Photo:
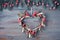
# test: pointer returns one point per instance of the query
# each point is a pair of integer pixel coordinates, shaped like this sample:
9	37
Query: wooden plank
3	38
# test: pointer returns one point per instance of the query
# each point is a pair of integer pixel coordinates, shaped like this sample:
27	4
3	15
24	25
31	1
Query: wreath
29	31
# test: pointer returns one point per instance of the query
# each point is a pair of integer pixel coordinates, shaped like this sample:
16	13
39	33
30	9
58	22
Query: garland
29	31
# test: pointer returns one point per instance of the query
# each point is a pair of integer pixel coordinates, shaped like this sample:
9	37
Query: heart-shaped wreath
29	31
